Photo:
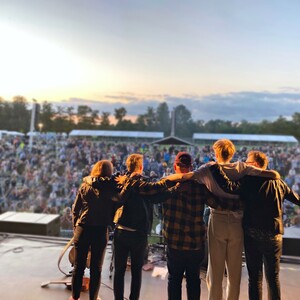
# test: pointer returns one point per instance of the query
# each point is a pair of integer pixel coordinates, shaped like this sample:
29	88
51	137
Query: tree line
15	116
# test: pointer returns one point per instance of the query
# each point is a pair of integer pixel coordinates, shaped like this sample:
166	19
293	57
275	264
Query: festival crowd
45	178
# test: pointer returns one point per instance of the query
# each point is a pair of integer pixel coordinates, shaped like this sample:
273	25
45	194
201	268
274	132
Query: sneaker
71	298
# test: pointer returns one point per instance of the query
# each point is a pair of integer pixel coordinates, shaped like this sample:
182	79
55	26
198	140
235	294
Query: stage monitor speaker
291	241
30	223
291	247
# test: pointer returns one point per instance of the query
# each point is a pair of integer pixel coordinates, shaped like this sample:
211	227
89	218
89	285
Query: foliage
15	116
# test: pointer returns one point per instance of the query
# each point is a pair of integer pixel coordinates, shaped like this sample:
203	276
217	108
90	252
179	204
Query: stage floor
28	261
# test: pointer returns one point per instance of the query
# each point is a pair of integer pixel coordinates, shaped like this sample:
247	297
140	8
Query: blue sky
228	60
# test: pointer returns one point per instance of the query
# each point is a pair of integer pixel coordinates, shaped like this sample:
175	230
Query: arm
147	188
154	192
223	181
253	171
76	208
290	194
163	196
180	176
270	174
231	204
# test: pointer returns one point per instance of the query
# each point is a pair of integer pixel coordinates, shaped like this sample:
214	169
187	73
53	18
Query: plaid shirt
184	228
183	225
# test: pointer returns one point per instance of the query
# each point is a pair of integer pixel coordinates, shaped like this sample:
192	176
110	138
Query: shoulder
259	181
84	188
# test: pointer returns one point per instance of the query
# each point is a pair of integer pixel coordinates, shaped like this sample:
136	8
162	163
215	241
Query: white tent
257	138
117	133
10	133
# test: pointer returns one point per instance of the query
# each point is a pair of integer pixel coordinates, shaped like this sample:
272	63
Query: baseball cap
183	159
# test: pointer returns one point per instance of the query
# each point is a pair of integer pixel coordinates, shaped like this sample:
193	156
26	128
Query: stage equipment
30	223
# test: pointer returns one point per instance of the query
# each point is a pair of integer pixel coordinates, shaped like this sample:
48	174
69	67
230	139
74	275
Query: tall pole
32	124
173	122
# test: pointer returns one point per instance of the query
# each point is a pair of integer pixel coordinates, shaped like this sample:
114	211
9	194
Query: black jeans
94	237
267	252
125	243
180	262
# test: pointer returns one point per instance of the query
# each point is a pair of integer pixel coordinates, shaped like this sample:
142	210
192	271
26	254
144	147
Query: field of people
46	179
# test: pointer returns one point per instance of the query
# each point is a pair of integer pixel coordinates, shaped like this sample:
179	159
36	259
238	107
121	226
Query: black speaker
30	223
291	241
291	246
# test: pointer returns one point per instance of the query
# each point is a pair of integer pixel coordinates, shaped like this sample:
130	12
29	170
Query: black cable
42	239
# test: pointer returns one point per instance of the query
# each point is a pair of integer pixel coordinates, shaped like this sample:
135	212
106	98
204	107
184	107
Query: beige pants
225	247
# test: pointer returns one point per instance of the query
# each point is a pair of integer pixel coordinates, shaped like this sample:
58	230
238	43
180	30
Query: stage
28	261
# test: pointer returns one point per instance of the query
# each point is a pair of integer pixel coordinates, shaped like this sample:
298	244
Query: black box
30	223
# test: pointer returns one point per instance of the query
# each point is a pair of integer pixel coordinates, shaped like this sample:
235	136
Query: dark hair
102	168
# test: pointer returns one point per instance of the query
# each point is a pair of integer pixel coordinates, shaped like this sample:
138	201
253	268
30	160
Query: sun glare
34	66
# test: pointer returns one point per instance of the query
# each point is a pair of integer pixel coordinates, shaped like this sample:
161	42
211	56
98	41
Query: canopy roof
117	133
172	140
246	137
13	133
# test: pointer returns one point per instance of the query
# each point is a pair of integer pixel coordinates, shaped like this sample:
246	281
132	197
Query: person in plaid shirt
183	226
185	232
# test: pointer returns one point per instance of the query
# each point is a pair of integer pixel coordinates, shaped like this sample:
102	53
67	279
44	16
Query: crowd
45	178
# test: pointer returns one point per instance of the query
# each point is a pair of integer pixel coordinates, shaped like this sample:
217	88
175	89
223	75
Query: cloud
246	105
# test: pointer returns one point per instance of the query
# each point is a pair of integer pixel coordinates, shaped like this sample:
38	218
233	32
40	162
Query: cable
36	238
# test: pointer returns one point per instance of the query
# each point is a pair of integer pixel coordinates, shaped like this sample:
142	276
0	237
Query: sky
231	60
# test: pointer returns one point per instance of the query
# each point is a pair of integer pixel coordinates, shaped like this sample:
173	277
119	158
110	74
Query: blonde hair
224	148
134	162
260	158
102	168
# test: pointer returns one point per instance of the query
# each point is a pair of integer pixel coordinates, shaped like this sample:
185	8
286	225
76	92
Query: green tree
183	122
150	119
60	123
104	120
140	123
20	115
87	117
119	114
47	115
71	114
163	118
220	126
5	114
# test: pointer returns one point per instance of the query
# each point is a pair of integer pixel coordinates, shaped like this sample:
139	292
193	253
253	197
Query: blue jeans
267	252
188	262
94	237
125	243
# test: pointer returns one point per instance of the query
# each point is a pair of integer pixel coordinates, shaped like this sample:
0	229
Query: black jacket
137	208
264	203
95	206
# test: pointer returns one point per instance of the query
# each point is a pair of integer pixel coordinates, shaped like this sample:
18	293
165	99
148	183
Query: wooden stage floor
28	261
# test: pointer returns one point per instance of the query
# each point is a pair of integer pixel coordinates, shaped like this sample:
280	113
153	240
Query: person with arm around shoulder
132	225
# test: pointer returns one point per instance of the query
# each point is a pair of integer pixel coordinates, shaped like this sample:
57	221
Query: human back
95	206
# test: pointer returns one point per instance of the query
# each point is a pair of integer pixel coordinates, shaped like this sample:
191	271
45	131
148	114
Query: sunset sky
228	60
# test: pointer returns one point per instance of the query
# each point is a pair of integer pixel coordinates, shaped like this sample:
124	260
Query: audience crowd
44	177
